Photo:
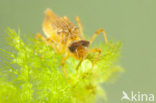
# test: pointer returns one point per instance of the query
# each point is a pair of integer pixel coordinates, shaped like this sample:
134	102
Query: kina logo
137	96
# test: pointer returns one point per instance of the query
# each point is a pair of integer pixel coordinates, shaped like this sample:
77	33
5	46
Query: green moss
34	74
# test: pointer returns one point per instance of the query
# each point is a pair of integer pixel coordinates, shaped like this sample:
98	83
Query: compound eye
85	43
72	48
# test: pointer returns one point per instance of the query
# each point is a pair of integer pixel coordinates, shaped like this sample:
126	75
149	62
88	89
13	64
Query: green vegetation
33	74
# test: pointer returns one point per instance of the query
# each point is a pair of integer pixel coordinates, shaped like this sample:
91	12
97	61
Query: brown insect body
65	38
64	35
